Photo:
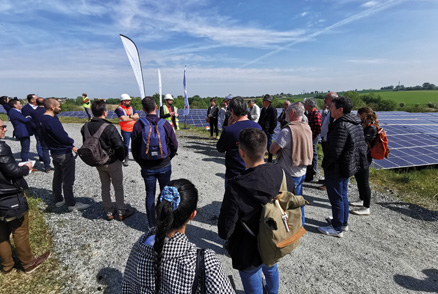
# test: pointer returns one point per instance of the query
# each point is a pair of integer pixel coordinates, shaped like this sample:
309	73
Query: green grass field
408	97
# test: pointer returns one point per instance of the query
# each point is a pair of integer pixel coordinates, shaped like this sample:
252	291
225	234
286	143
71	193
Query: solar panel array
413	137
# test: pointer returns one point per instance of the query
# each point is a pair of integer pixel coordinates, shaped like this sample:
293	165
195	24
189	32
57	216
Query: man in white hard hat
127	118
170	112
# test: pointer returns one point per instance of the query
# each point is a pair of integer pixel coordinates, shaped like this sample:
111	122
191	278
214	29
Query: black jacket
268	119
110	141
213	111
244	198
11	175
345	150
282	119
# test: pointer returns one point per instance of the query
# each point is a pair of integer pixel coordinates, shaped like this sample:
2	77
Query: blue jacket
27	110
20	123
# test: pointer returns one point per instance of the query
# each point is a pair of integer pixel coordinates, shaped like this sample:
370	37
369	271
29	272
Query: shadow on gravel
199	138
317	201
205	239
312	225
411	210
110	279
429	284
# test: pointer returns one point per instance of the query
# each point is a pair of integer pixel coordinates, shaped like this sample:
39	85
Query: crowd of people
163	260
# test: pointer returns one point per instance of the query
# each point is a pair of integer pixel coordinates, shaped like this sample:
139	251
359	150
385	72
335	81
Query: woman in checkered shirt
163	260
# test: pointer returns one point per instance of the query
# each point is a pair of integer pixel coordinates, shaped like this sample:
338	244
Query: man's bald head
49	103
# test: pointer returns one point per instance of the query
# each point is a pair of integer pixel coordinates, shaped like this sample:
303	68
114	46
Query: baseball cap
125	97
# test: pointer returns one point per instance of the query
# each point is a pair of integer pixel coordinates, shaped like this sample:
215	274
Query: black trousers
363	185
213	124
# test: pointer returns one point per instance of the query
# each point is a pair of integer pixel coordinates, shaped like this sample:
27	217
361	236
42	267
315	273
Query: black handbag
13	206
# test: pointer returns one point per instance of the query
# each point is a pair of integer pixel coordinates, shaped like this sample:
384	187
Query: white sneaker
79	206
363	211
330	231
329	221
60	204
357	203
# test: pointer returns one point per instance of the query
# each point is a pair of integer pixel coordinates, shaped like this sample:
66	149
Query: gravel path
395	250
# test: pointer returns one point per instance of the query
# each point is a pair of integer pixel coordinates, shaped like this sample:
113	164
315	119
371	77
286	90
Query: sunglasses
3	127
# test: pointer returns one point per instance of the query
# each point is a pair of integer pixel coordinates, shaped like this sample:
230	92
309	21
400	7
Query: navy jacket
228	143
27	110
20	123
55	136
36	117
137	140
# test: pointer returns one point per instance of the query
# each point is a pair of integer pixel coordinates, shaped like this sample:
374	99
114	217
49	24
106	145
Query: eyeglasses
3	127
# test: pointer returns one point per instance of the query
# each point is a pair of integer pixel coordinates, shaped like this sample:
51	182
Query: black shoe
128	212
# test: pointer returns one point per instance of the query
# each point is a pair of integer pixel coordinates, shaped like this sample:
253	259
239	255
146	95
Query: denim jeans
25	147
337	191
298	181
253	282
126	139
150	177
43	151
268	146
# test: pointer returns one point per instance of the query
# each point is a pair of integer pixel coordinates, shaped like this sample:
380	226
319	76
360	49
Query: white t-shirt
284	157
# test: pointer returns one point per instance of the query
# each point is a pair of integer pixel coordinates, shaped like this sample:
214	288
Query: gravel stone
394	250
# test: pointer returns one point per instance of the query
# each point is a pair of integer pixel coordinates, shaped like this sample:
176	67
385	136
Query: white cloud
304	13
367	61
369	4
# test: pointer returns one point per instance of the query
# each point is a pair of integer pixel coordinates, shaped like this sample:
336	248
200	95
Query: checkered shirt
178	266
315	122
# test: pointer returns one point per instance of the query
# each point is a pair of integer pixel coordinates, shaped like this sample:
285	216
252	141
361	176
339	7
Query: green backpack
280	226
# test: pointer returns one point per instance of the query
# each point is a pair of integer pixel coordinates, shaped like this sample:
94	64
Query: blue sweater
228	143
54	135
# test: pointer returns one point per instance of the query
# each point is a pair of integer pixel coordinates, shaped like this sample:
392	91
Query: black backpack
91	152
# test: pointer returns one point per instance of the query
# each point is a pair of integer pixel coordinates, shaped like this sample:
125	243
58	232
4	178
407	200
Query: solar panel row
413	137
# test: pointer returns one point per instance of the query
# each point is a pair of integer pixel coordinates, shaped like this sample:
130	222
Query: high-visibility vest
169	119
126	126
86	104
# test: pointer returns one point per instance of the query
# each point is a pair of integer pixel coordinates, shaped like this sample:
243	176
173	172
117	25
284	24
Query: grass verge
47	278
412	186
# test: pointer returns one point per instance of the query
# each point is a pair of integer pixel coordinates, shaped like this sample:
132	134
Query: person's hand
75	149
176	114
29	165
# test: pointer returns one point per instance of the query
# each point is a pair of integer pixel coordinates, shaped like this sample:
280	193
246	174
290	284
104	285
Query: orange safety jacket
126	126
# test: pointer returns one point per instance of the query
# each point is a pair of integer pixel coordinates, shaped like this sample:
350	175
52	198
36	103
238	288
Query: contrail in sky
363	14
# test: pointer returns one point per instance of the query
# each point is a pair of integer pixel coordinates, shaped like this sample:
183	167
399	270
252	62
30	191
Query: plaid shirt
178	266
315	122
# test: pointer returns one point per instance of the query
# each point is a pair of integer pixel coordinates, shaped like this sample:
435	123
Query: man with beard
61	147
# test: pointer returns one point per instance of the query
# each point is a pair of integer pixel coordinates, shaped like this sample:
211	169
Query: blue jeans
43	151
25	147
268	146
253	283
126	139
298	181
150	177
337	190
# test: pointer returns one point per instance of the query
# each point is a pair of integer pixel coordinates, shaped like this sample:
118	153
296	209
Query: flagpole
160	91
186	99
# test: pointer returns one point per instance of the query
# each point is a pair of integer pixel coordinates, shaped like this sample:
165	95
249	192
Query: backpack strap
100	130
283	186
199	272
146	123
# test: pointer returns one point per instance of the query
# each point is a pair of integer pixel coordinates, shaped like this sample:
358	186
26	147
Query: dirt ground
394	250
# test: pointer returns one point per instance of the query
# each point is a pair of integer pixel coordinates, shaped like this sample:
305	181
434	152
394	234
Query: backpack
275	240
154	140
91	152
380	149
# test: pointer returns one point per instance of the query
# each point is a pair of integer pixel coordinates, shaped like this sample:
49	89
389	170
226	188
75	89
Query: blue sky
63	48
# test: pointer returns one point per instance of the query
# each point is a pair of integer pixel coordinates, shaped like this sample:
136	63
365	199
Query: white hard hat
168	96
125	97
